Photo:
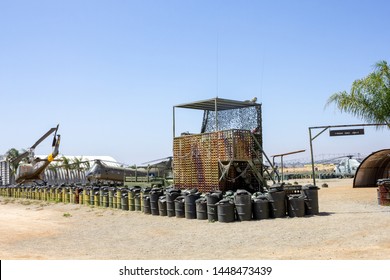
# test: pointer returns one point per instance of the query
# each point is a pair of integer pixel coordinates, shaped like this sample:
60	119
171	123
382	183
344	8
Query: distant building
6	177
61	175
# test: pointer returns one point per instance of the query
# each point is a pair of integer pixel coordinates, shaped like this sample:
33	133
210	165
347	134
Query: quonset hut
373	168
227	154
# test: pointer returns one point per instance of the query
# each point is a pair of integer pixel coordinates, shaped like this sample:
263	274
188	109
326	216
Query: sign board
346	132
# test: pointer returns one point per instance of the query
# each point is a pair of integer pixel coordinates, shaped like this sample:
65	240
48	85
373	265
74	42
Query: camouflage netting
218	158
248	118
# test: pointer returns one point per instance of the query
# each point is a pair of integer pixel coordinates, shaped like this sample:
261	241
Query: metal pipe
312	158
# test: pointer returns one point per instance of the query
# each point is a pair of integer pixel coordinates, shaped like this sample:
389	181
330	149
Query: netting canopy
247	118
225	114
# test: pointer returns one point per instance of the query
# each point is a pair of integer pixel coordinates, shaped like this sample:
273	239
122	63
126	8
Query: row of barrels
230	206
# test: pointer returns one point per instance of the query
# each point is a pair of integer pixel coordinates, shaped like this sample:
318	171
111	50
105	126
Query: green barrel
243	203
125	202
162	205
96	199
296	205
212	209
154	195
72	195
91	198
111	197
190	205
137	202
201	208
171	195
277	198
87	197
105	200
225	211
179	207
132	193
260	206
101	192
311	201
145	192
118	198
146	199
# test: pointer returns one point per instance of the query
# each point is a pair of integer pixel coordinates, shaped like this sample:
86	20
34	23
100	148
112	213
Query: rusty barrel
383	192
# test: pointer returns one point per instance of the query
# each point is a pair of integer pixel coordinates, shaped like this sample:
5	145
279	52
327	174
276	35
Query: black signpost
346	132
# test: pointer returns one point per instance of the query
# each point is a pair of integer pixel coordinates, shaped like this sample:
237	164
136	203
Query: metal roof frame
217	104
213	104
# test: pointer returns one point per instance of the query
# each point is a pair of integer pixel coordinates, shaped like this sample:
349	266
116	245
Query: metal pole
216	115
312	158
281	162
174	122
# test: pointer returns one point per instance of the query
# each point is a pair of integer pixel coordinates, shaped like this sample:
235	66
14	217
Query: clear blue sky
110	71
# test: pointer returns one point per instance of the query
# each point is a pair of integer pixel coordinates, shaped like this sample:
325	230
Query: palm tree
369	98
53	169
79	167
67	166
12	154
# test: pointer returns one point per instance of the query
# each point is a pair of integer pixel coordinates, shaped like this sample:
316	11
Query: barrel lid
201	200
225	201
276	187
179	198
259	195
242	192
310	187
383	181
296	196
173	190
217	194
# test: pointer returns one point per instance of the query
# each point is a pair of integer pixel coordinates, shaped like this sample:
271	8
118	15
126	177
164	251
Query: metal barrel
278	203
179	207
111	197
225	211
104	200
162	205
125	202
146	203
171	195
190	205
145	192
311	200
118	196
132	193
130	201
137	202
260	208
212	209
91	198
101	193
201	208
296	205
243	203
383	192
155	193
96	199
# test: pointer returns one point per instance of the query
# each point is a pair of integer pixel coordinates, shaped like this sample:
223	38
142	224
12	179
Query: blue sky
110	71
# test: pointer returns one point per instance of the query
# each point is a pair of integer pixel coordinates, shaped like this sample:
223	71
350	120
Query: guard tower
227	154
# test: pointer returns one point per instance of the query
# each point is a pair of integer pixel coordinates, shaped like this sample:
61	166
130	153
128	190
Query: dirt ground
351	225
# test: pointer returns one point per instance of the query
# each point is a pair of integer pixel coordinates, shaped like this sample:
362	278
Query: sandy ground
351	225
